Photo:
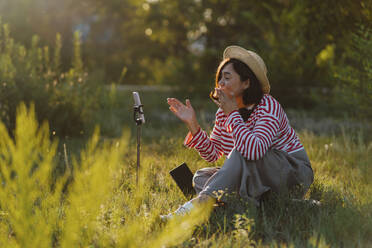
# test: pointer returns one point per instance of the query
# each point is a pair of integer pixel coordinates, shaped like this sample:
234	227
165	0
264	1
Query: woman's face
230	82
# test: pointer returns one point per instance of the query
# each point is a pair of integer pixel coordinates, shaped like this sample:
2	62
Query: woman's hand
185	113
225	102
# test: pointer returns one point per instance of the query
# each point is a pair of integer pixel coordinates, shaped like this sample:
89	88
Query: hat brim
253	61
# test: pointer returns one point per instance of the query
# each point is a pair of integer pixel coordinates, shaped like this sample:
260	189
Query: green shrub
32	75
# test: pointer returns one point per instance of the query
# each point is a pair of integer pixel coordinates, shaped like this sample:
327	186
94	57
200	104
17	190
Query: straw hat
253	61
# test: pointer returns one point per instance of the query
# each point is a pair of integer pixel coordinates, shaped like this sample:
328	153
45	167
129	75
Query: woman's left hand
226	103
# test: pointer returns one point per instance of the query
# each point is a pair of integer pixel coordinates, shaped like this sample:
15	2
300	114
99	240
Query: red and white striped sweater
266	128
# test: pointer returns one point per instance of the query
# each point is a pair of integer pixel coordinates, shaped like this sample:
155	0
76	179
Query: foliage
65	99
96	202
28	202
181	42
353	92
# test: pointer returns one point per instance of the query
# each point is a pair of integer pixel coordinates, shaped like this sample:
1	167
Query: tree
353	91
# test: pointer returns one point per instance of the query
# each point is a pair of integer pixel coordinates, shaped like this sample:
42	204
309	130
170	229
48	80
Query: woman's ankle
202	198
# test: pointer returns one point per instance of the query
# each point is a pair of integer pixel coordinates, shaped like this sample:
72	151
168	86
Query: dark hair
254	93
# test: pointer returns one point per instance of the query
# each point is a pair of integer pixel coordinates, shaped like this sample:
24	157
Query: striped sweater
266	128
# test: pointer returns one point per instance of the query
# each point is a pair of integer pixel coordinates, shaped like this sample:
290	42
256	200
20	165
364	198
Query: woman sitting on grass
251	129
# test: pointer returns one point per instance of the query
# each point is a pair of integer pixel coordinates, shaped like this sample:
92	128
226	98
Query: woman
251	129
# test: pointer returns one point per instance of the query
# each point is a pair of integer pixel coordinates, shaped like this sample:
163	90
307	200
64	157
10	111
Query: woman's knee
205	172
201	176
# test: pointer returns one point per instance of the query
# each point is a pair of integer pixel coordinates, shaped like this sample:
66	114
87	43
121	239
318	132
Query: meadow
82	192
68	139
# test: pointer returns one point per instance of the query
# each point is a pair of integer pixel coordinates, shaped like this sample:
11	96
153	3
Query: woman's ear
246	84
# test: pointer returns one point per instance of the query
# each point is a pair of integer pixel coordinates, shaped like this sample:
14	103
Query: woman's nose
221	83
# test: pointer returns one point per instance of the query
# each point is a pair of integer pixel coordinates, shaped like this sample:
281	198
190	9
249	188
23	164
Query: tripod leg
138	151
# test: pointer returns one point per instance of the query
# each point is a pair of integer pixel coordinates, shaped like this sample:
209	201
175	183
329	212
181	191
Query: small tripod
137	113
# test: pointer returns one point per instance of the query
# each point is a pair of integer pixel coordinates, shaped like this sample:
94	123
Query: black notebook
182	175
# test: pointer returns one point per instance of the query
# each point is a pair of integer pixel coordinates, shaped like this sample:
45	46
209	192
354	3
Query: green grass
93	200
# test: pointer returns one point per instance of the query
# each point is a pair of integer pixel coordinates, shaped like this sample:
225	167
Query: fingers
216	102
171	101
183	112
176	107
188	103
173	110
174	102
221	96
221	93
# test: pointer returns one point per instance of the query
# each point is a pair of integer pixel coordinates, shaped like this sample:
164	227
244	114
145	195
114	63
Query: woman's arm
208	148
252	144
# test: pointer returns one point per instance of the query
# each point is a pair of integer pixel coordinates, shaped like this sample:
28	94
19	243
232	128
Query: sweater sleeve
209	148
252	144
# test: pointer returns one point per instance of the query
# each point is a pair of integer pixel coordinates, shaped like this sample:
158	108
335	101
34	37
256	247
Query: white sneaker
311	202
182	210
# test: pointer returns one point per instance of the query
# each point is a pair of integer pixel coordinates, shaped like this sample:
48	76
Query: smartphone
137	103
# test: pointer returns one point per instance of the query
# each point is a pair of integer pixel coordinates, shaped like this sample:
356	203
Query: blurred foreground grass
89	198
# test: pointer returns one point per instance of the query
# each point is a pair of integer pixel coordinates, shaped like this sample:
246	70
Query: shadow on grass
280	219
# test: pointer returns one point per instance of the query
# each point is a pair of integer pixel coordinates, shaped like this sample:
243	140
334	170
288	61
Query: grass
95	202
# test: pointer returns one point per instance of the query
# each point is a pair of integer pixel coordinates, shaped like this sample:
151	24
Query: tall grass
94	200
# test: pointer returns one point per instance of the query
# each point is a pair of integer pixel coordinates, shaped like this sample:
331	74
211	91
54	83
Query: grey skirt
250	179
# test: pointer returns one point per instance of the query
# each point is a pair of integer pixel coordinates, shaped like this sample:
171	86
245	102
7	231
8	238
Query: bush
65	99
